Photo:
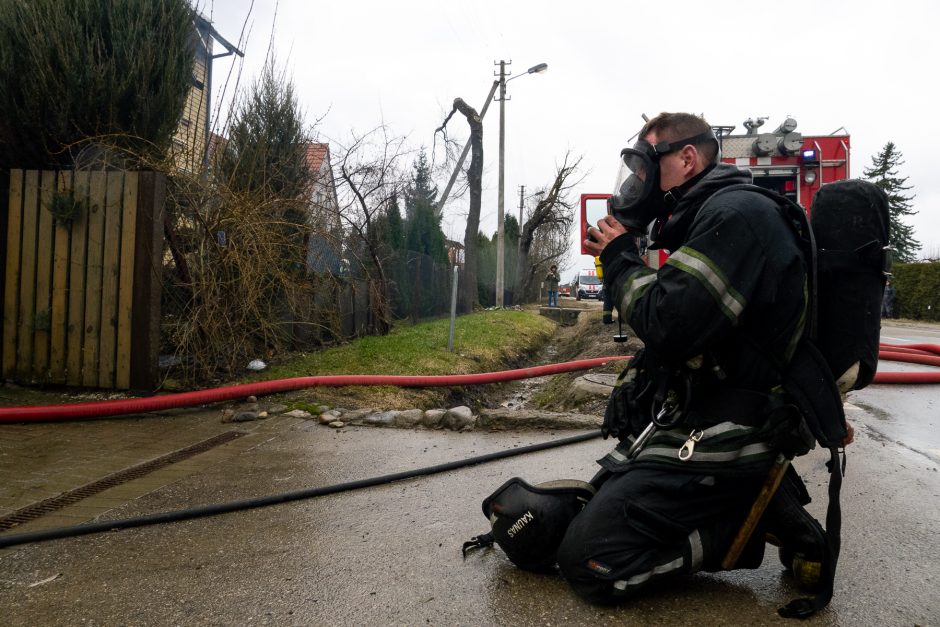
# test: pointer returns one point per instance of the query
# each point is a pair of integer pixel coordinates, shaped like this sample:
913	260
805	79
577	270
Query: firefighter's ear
689	157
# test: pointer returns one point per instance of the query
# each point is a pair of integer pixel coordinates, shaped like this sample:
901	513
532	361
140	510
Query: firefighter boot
800	538
718	540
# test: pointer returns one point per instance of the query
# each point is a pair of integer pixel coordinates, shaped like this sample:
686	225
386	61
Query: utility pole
521	204
500	214
521	201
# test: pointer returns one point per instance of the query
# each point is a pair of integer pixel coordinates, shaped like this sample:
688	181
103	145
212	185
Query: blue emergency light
809	154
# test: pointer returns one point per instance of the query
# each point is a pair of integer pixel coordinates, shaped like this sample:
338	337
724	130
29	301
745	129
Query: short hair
678	126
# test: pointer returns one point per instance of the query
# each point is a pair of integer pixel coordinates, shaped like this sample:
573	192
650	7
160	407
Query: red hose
907	377
933	349
101	409
928	354
904	349
911	358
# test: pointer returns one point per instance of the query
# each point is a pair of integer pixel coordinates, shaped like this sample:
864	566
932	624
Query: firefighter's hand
850	434
607	230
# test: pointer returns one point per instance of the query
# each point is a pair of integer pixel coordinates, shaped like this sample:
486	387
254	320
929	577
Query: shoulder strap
795	218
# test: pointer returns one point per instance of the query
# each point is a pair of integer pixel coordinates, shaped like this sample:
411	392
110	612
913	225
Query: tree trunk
524	277
469	296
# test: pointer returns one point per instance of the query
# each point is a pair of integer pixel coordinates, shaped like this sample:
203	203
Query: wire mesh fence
319	306
419	286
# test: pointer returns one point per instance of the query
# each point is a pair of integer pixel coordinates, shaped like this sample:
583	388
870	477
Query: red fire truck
783	160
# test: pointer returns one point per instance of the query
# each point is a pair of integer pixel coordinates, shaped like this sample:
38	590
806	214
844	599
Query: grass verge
483	342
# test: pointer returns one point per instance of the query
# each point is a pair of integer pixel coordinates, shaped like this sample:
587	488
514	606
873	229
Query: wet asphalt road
390	555
909	415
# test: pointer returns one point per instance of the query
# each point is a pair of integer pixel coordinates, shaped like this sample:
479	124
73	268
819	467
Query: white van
587	285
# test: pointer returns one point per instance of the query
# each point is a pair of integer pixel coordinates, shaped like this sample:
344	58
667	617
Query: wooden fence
81	288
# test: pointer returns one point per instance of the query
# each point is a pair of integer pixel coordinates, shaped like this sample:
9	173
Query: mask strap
664	147
672	197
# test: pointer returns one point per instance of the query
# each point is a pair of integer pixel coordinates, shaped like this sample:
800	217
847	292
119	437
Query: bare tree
369	178
544	237
468	287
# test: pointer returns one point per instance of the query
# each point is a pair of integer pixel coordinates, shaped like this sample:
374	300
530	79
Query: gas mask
640	200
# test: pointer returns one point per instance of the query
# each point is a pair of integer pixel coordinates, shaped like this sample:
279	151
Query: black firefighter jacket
732	290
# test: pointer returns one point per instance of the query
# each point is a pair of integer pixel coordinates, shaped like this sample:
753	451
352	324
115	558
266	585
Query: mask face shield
643	163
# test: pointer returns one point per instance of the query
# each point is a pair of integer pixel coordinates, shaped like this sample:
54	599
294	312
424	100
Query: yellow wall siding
189	141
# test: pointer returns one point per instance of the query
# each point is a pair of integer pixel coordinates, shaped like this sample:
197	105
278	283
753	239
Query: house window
185	122
198	84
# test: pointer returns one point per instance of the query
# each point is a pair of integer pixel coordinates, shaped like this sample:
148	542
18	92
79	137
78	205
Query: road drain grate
37	510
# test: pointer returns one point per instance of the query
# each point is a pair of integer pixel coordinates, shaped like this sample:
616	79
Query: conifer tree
394	235
486	269
884	173
265	149
423	232
70	72
420	189
424	235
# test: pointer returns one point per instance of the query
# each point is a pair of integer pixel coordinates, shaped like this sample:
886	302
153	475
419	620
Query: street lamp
500	253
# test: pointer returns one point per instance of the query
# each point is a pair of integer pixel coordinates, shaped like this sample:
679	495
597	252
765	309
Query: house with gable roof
324	243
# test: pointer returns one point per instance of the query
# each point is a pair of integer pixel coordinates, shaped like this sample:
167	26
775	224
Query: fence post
453	313
148	277
11	186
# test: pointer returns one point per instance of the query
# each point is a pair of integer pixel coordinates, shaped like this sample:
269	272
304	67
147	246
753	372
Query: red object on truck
782	160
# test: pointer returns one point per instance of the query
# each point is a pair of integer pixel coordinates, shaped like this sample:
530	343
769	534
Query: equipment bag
529	522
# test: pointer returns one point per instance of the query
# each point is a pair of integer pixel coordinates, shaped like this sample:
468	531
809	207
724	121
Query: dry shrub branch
237	285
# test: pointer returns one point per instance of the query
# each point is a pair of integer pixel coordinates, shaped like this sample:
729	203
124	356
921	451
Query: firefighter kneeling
725	309
729	383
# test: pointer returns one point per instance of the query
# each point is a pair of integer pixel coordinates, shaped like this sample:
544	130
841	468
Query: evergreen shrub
918	290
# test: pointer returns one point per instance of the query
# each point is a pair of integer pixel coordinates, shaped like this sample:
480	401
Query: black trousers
648	525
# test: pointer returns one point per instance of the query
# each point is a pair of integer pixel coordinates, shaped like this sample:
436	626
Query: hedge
918	290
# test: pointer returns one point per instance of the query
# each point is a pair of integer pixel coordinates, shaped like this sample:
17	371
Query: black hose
274	499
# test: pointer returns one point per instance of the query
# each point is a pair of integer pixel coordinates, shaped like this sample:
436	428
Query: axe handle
767	491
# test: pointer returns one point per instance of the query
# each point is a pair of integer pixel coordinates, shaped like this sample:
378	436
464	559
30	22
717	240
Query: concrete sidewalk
44	460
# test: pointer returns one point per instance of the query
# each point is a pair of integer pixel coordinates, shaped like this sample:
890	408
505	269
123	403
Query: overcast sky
870	67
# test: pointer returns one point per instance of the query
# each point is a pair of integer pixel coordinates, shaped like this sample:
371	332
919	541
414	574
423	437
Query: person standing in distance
551	284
